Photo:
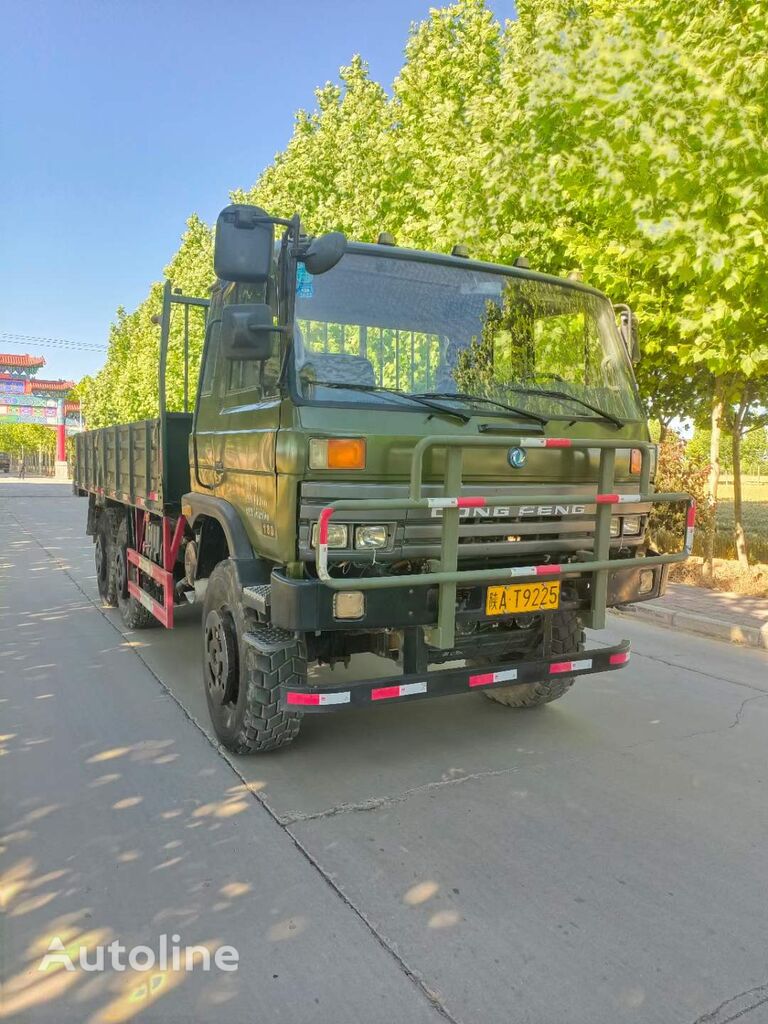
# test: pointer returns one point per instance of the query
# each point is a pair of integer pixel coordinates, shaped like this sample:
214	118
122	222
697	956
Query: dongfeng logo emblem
516	458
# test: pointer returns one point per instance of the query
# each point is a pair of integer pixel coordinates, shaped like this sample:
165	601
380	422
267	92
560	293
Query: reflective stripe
619	659
535	570
455	502
569	666
617	499
316	699
403	690
545	442
487	678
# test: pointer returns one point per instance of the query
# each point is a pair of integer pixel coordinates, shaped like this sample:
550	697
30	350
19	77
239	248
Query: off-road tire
104	557
567	638
242	685
134	614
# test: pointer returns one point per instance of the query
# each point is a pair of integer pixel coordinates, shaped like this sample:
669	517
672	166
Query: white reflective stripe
408	688
626	499
322	561
336	698
689	538
508	673
523	570
586	663
442	502
532	442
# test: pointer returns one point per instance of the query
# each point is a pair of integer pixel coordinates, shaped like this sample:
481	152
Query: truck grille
526	529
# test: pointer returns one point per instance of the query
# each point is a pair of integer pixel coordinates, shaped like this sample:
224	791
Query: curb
691	622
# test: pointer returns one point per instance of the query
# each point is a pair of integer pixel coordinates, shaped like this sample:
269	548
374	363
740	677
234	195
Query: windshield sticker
305	283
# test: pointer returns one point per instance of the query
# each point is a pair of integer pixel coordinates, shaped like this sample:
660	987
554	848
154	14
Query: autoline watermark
169	956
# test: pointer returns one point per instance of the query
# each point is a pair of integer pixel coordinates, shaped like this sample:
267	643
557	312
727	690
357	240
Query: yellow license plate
522	597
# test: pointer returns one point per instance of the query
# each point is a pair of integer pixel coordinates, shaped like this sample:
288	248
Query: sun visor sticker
305	283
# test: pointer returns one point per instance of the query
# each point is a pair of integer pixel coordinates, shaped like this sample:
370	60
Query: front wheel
567	638
242	685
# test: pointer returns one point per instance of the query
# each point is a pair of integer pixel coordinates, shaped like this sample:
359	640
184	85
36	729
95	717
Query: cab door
249	418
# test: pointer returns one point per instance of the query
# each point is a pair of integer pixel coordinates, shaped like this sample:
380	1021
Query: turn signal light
337	453
635	461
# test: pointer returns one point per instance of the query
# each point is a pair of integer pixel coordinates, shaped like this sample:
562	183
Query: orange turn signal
635	461
337	453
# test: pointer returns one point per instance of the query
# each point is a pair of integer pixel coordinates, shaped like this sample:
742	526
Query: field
755	515
727	572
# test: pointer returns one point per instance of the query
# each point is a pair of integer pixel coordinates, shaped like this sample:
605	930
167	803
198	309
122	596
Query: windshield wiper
442	410
467	397
566	397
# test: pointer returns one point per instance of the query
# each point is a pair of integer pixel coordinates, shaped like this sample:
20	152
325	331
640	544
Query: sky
119	118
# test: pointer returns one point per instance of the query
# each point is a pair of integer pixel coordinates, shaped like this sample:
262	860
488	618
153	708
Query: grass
755	516
728	574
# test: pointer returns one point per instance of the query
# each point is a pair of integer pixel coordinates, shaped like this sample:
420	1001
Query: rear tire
567	638
242	686
135	615
104	557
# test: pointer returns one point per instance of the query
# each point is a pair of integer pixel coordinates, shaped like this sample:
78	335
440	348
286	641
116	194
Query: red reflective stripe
546	570
482	680
691	515
607	499
471	503
302	698
560	666
322	525
558	442
619	659
382	692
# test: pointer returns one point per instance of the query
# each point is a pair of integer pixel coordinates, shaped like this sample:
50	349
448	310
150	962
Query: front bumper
447	682
307	605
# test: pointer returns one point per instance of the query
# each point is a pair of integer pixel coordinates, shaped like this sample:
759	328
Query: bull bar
447	575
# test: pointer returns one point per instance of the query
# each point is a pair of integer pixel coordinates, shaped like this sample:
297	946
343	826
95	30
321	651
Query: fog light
370	537
615	526
633	526
337	535
645	585
348	604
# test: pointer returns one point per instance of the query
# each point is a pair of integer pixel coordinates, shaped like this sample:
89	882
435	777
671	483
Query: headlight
615	526
337	535
633	526
369	537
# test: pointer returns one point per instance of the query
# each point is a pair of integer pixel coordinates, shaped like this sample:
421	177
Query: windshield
461	335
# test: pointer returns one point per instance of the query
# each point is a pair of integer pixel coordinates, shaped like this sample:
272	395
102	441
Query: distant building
26	398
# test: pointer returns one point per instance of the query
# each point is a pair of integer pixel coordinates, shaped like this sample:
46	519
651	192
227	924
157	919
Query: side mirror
629	333
244	244
248	332
325	252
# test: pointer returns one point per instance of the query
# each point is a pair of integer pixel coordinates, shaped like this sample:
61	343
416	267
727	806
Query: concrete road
599	860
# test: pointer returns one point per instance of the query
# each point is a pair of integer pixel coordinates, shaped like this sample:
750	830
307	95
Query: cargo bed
145	464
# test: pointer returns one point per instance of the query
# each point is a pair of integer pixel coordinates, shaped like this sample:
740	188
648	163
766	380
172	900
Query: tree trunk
738	514
714	477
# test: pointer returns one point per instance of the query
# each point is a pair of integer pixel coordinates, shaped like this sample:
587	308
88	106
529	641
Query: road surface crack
756	996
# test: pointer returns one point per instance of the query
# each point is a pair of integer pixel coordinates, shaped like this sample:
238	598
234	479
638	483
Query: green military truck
421	456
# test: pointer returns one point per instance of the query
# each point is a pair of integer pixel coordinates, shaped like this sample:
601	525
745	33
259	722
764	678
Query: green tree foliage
16	438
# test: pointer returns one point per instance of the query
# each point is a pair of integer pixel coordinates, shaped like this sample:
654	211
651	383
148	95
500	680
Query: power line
25	340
